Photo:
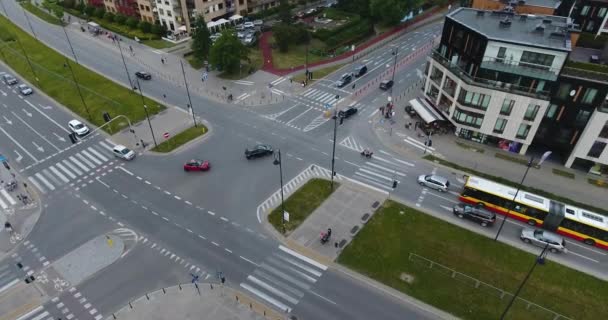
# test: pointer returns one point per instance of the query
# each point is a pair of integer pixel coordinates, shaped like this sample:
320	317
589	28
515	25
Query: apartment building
493	72
213	10
543	7
588	15
147	10
128	8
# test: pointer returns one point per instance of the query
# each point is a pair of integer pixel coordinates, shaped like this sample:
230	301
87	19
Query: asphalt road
206	222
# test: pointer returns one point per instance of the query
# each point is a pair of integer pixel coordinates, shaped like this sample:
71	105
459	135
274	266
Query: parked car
197	165
344	80
259	150
542	238
258	23
238	27
25	90
386	84
434	181
249	39
360	70
475	213
123	152
78	127
143	75
248	25
9	80
347	112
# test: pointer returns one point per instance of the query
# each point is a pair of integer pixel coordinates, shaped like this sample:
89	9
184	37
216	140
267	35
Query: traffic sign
327	106
166	135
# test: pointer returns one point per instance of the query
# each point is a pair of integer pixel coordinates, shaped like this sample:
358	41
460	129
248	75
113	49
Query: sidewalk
195	301
481	157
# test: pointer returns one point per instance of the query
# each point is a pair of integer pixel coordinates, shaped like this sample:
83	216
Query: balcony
520	68
487	83
587	71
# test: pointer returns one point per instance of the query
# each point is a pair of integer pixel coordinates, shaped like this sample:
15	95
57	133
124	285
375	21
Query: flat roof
542	3
521	30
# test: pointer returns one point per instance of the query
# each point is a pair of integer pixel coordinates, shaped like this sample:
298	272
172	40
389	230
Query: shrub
158	29
108	16
145	26
350	32
80	7
68	3
131	23
120	19
99	12
89	10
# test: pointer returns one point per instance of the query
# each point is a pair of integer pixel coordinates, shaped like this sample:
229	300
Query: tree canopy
201	41
227	52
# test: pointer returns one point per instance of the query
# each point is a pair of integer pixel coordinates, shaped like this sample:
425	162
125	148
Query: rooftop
533	30
539	3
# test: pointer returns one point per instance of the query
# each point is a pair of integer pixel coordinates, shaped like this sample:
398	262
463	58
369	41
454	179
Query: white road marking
46	182
304	258
126	171
262	295
18	144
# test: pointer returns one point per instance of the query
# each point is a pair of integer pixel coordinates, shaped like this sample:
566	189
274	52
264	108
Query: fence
478	284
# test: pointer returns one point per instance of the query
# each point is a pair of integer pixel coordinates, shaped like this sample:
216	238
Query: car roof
386	81
119	147
551	236
74	122
438	178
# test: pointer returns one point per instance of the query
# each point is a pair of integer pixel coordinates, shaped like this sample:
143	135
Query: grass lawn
318	74
296	56
382	248
27	5
301	204
158	43
195	62
55	79
181	138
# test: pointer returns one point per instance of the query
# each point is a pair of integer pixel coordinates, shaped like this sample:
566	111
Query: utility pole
333	154
277	161
188	92
143	102
395	53
124	64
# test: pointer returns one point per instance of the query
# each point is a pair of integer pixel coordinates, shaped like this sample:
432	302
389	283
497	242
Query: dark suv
344	80
475	213
259	150
347	112
143	75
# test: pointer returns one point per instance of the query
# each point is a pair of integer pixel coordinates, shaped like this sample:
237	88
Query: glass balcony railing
487	83
520	68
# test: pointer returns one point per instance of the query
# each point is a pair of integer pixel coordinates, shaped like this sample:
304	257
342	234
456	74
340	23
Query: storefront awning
235	17
427	113
182	28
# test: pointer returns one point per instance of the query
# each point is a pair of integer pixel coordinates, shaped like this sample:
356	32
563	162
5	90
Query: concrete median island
465	273
181	138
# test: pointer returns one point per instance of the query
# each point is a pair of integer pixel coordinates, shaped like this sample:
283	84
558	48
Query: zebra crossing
381	172
6	199
321	96
72	167
283	278
350	143
38	313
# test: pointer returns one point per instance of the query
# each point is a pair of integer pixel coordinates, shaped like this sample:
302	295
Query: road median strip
181	139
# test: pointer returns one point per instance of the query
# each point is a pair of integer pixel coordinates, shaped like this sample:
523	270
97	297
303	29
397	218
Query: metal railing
585	74
520	67
487	83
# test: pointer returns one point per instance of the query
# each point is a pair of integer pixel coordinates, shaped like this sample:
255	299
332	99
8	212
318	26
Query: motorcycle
325	236
366	153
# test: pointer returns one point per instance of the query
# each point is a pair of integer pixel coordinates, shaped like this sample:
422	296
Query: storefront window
597	149
468	118
523	131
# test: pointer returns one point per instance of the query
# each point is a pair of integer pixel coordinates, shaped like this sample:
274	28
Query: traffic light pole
333	154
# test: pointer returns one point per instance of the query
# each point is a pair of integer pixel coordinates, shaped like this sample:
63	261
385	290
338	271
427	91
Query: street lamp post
277	161
540	259
333	154
188	92
122	56
521	183
395	53
143	102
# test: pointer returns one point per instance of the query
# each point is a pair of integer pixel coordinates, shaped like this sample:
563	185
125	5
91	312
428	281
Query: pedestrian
162	60
290	80
382	110
164	96
131	48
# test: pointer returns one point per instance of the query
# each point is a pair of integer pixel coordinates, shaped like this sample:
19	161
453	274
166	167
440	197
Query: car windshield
79	126
538	234
124	151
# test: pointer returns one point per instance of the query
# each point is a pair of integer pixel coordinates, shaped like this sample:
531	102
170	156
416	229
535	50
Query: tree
120	19
285	35
201	41
108	16
390	12
58	11
99	12
227	52
285	12
131	23
145	26
69	3
360	7
158	29
89	10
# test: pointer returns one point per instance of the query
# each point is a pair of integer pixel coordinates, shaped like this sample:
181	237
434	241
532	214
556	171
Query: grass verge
54	78
181	138
33	9
318	74
563	173
255	62
598	182
511	158
515	184
158	43
381	251
296	55
469	147
301	204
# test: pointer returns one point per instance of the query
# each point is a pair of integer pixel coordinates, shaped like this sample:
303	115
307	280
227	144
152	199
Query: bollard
130	305
180	286
164	292
237	298
147	297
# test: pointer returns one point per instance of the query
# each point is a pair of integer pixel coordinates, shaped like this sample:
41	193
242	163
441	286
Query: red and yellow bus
580	224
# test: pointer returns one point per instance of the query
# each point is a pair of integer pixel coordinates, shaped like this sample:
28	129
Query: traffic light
73	137
394	184
106	117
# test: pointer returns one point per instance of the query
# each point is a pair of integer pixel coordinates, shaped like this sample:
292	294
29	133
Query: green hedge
588	40
587	66
117	27
350	32
513	184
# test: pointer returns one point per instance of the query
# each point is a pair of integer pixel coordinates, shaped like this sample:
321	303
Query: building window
602	12
523	131
531	112
241	2
507	106
161	11
499	127
585	10
432	92
167	3
564	90
141	6
469	118
220	6
596	149
169	13
551	111
581	117
589	95
436	75
148	8
536	60
604	132
589	26
474	99
449	86
502	52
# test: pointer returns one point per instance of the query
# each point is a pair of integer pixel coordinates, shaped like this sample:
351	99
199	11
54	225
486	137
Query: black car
347	113
143	75
475	213
258	151
386	84
9	80
344	80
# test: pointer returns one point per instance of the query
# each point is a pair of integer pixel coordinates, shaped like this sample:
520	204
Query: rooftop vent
540	27
508	9
505	22
547	20
480	13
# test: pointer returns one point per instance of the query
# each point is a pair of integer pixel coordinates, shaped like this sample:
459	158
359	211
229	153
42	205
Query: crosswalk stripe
272	289
86	153
264	296
373	173
307	92
8	197
64	169
69	165
105	145
40	316
301	266
284	276
283	285
32	180
99	155
386	161
374	182
27	315
385	169
3	204
51	177
303	258
59	174
46	182
286	267
85	160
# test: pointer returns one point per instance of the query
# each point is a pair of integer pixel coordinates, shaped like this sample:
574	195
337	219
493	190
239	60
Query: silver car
542	238
434	182
123	152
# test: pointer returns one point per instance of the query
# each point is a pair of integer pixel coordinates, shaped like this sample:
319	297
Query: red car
197	165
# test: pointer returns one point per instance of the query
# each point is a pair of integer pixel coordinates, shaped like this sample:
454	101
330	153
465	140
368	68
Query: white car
258	22
25	90
249	39
248	25
123	152
78	127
